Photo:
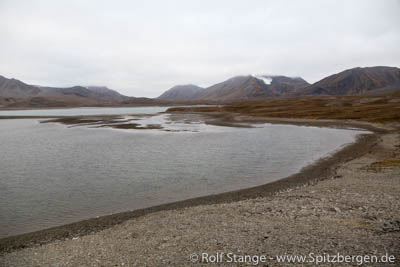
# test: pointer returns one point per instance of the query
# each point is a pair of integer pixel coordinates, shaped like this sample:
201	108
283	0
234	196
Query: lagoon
51	174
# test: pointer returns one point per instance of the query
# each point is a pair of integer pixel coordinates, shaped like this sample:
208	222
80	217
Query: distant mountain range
252	87
14	93
237	88
356	81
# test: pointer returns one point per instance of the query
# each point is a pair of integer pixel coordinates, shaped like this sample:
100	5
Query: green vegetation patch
384	163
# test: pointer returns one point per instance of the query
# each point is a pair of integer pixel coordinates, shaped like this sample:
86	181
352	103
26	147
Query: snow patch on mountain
265	79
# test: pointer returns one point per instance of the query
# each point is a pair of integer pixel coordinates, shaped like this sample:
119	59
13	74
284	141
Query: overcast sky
142	48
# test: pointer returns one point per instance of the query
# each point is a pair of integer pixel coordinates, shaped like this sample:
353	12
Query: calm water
82	111
52	175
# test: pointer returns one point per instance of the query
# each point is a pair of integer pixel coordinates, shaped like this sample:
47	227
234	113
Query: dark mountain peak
357	81
106	93
236	88
16	89
186	86
181	93
280	84
100	93
236	80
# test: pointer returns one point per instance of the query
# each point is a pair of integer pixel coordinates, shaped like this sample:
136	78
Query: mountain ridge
15	93
356	81
181	93
246	87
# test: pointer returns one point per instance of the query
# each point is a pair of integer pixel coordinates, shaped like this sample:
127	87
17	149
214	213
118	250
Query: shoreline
319	170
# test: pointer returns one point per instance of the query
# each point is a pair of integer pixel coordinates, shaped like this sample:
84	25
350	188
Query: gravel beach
353	210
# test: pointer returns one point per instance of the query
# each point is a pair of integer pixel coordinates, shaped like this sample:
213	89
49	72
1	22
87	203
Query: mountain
14	93
237	88
357	81
248	88
282	85
107	93
181	93
100	93
12	88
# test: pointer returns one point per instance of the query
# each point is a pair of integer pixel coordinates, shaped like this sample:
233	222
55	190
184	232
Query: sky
142	48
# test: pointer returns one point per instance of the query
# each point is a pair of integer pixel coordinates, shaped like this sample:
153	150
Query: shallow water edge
322	169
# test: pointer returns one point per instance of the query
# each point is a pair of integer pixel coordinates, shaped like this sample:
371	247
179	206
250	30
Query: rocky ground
355	212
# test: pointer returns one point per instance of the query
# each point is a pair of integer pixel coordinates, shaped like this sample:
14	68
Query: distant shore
320	170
